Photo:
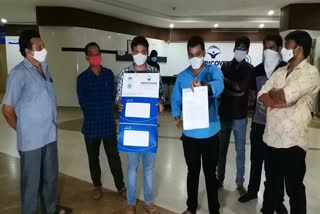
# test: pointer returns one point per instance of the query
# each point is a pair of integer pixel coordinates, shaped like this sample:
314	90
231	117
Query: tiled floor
170	168
74	193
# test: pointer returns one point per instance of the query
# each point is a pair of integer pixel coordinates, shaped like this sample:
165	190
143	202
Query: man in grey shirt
29	107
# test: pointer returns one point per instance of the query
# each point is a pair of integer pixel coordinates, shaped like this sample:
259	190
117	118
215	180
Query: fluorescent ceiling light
271	12
4	20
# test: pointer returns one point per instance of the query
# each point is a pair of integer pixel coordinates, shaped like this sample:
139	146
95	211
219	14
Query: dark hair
139	40
243	40
303	39
91	44
276	38
25	40
153	53
194	41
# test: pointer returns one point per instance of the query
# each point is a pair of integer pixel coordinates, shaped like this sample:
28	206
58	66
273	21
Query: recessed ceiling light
216	25
271	12
4	20
171	25
261	26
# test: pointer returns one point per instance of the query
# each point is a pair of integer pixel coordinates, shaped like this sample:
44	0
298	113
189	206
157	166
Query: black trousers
288	164
206	150
110	147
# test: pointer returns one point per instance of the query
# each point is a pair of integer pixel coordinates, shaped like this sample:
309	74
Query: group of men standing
283	87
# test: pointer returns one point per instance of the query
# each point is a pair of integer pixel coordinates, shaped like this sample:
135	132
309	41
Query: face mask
271	60
140	59
240	55
286	54
196	62
154	59
40	56
95	61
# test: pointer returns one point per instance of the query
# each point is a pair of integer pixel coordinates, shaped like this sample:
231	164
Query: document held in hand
195	108
138	129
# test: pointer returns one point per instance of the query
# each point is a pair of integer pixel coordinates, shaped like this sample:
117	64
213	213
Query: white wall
65	66
12	50
178	56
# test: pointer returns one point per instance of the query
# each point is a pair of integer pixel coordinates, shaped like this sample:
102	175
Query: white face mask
140	59
271	60
240	55
40	56
196	62
286	54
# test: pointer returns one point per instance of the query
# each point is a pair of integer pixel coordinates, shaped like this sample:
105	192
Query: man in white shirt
288	96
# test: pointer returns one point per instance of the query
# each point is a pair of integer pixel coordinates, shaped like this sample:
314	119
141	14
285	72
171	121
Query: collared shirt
236	107
210	75
287	127
96	97
259	116
130	69
34	100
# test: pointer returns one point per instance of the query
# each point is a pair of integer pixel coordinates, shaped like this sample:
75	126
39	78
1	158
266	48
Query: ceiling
162	13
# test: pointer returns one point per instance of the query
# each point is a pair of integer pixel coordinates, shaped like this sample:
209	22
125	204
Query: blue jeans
132	176
239	128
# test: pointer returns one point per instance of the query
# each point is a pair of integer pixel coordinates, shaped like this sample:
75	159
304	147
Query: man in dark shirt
234	108
272	46
95	87
152	61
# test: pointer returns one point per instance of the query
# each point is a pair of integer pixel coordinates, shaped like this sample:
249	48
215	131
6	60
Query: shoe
187	212
247	197
123	193
150	209
241	190
282	210
97	193
130	209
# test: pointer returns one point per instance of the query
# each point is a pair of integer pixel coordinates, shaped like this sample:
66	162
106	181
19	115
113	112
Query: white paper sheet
136	138
138	110
195	108
141	85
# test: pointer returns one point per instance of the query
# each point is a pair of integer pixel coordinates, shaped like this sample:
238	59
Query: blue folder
149	125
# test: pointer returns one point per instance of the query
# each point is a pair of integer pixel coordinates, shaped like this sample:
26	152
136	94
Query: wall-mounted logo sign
217	56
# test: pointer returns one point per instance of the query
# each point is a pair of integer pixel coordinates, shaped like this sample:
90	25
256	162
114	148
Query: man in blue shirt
95	87
29	107
200	143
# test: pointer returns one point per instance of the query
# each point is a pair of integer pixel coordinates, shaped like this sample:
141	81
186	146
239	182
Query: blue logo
213	51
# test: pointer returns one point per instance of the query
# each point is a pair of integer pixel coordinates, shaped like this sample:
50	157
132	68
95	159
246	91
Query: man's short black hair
303	39
243	40
153	53
25	40
194	41
276	38
91	44
140	40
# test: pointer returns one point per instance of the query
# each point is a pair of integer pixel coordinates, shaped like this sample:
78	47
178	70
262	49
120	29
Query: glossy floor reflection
170	169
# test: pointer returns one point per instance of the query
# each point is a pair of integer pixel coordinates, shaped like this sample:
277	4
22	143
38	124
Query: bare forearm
278	96
12	121
10	116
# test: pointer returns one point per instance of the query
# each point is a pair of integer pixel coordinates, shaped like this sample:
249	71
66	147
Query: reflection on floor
73	193
169	175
